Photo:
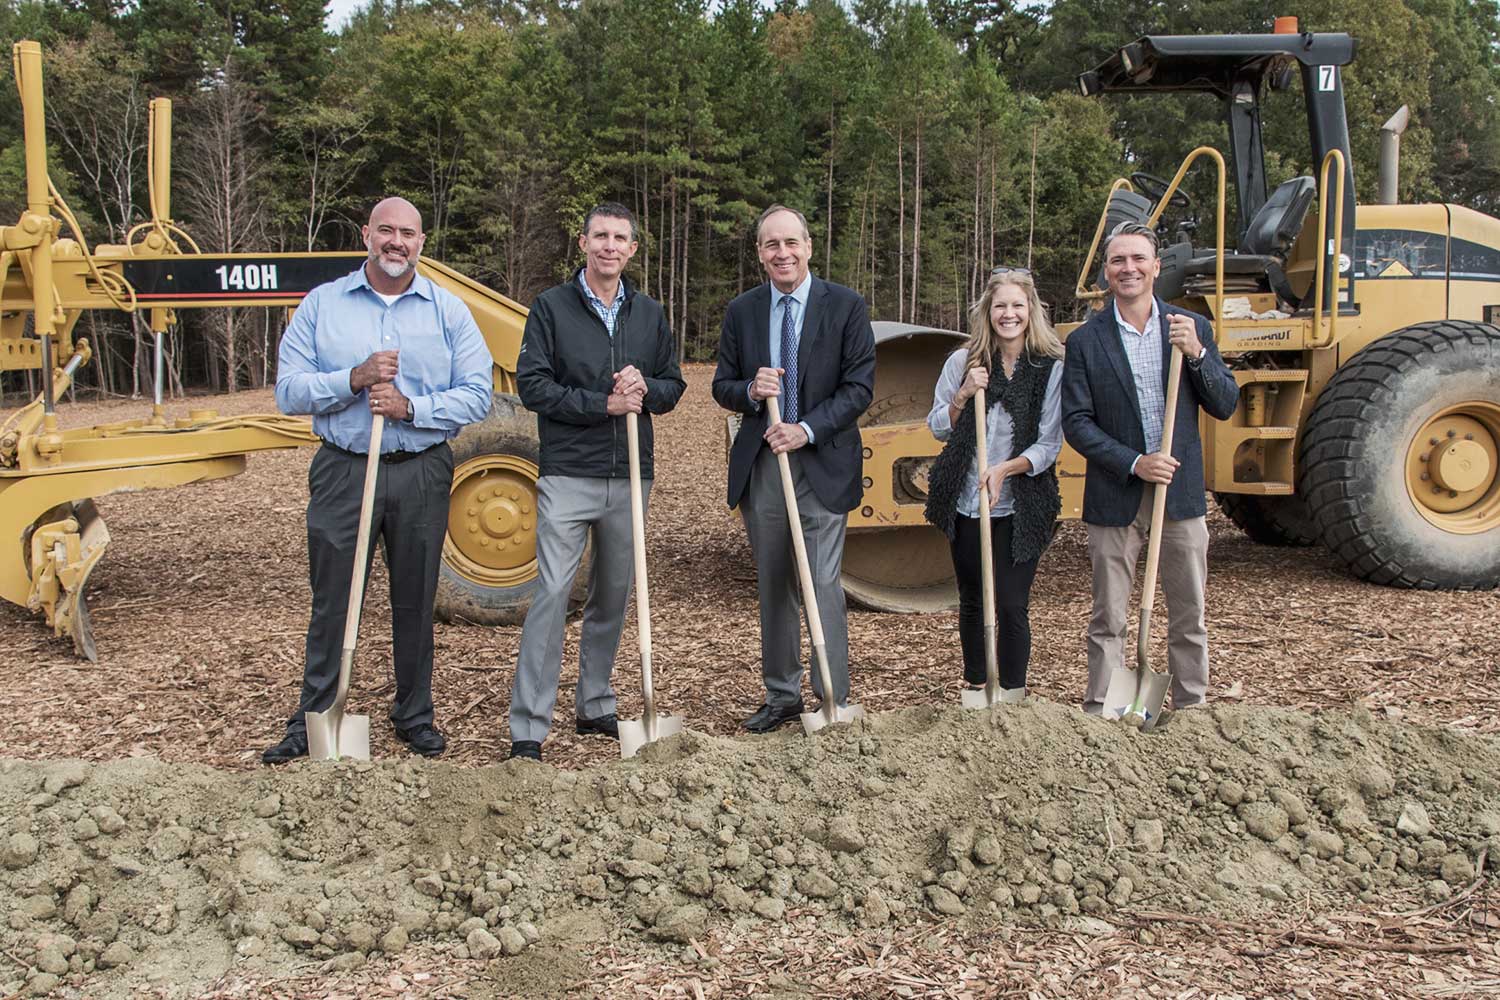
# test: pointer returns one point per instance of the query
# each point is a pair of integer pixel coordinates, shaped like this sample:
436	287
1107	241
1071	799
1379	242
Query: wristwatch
411	411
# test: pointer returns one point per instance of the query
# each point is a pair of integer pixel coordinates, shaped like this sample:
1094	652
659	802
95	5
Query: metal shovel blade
1153	692
335	733
976	700
813	721
633	733
1119	697
331	736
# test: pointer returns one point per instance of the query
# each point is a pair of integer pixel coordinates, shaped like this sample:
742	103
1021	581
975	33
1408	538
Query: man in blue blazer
808	342
1113	408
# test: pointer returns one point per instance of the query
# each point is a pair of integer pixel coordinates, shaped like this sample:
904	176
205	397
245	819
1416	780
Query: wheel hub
492	520
1451	467
1459	466
501	516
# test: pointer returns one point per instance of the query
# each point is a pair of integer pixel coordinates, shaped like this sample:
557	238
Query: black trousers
1012	601
409	520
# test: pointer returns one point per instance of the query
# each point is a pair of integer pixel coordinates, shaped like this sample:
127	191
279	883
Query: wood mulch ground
200	605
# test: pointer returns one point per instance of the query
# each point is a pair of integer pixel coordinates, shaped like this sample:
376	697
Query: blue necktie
789	411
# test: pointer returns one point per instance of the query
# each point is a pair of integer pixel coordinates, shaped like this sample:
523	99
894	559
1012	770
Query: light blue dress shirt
798	298
445	367
999	431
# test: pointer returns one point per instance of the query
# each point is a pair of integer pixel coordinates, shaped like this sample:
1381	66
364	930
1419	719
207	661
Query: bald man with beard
382	340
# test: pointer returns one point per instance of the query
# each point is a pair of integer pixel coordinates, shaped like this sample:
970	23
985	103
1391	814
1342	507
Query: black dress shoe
605	725
770	717
529	749
423	739
292	746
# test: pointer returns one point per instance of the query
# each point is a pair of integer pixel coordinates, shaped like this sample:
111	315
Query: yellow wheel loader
51	536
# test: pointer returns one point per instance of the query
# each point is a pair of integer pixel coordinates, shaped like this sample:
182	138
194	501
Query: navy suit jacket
835	382
1101	417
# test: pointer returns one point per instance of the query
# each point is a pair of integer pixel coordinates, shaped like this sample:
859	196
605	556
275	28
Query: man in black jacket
809	342
594	349
1113	411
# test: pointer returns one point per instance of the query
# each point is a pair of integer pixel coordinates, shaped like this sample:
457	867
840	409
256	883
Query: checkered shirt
1143	350
606	313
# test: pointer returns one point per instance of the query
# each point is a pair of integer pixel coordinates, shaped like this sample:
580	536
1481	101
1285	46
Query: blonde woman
1015	356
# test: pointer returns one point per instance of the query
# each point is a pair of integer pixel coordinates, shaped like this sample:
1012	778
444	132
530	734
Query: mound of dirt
139	875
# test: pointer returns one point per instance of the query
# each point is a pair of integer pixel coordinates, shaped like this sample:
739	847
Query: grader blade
66	544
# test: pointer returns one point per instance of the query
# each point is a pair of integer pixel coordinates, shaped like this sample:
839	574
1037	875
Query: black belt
386	458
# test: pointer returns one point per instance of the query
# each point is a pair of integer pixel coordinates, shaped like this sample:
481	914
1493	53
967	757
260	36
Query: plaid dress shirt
1143	351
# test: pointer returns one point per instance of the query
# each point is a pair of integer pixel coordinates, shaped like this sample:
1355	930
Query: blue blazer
1101	417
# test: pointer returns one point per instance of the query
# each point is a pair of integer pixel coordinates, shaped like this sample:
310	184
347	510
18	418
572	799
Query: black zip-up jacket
566	372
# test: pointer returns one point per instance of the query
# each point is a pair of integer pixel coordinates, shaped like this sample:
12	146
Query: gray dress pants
781	612
410	518
568	508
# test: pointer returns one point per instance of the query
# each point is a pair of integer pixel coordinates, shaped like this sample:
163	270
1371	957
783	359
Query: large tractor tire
1283	521
1399	460
906	569
489	566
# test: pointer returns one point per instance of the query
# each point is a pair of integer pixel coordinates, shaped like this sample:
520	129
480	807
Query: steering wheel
1155	187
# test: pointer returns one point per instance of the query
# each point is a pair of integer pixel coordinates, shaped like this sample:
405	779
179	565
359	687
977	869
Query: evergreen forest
926	143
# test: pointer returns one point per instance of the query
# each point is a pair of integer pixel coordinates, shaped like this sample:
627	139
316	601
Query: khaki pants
1114	553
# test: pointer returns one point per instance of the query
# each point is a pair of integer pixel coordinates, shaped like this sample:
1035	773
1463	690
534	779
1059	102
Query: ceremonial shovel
831	711
332	734
650	727
992	693
1135	696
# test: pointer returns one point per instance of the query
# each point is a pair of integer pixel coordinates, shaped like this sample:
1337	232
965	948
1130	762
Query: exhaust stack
1390	155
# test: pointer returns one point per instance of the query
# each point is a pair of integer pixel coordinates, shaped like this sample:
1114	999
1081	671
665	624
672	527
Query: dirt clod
20	851
482	944
680	923
1414	820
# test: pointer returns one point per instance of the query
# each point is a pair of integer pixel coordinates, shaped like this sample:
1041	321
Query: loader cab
1238	69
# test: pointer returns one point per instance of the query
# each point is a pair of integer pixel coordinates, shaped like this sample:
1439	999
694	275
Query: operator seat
1263	252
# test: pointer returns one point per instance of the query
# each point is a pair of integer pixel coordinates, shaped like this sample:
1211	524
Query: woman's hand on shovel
994	476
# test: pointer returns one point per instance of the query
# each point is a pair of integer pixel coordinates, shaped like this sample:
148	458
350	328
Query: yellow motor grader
1365	340
51	535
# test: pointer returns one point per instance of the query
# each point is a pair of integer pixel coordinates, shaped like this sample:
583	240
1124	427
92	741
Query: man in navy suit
1113	407
809	342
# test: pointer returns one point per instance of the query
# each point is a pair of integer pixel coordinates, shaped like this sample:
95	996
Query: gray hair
1133	229
806	235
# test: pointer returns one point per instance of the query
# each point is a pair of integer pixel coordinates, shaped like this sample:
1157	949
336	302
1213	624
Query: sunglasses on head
1011	270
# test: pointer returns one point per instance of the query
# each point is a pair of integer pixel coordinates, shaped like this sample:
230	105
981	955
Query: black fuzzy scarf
1036	498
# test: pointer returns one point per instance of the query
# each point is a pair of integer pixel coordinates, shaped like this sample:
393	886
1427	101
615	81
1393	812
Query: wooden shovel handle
1158	515
986	547
804	570
361	559
642	591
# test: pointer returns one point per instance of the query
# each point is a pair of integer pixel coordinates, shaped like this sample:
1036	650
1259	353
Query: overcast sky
338	10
